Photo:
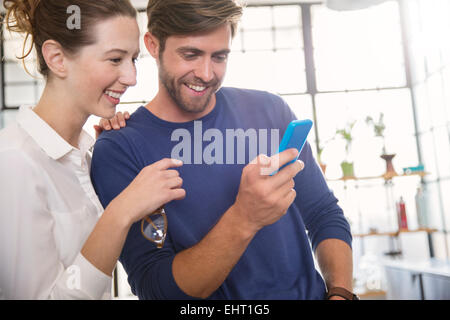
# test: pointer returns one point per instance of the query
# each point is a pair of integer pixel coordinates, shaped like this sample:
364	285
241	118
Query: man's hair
182	17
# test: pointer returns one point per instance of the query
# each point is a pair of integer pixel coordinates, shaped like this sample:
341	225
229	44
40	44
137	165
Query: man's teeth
196	88
113	94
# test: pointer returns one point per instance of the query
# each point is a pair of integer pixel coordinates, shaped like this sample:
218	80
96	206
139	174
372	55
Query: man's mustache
199	82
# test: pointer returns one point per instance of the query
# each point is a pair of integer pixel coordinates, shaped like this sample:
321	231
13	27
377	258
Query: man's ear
55	58
152	45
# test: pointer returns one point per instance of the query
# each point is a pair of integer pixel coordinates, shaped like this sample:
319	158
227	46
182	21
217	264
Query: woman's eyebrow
117	50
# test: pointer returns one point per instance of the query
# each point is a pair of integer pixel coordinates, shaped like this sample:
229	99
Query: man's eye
116	60
189	56
221	58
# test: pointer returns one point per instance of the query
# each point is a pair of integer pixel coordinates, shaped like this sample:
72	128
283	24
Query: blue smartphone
295	137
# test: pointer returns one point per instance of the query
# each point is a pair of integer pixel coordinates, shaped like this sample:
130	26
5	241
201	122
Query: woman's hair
41	20
182	17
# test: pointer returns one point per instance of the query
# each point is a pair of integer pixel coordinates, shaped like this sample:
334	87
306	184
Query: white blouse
48	208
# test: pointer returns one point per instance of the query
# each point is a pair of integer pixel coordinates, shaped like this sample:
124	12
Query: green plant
346	134
320	149
378	128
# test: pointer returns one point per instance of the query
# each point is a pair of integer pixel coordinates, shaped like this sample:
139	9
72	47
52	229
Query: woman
56	241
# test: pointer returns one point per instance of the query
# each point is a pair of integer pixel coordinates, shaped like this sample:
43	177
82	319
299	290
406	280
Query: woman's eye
116	60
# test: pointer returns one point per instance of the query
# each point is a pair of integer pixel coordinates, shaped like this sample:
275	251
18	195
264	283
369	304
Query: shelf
370	295
393	234
385	176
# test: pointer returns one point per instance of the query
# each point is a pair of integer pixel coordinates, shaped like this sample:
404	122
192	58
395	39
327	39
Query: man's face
192	68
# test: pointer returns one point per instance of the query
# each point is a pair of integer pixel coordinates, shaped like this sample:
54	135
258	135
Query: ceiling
142	4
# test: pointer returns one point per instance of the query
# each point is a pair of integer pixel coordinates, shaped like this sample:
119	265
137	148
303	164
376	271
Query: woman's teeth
113	94
196	88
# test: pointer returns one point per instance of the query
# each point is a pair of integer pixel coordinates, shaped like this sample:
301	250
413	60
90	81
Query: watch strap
341	292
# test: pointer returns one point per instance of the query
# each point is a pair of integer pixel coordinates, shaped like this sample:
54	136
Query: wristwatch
341	292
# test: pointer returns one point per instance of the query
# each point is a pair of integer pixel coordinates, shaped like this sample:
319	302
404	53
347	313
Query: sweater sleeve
149	269
322	216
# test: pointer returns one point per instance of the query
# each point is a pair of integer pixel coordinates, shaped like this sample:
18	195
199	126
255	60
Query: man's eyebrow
189	49
224	51
198	51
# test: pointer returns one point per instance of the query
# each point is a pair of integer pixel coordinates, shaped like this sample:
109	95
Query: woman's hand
153	187
116	122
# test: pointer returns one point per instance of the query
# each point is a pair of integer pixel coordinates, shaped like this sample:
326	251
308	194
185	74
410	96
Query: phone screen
295	137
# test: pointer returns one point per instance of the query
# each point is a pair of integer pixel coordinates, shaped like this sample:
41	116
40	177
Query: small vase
390	171
347	170
323	166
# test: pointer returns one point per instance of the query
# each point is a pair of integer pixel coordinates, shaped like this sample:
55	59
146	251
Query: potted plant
347	164
378	128
320	149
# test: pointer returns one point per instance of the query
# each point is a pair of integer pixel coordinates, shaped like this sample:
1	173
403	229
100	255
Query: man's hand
116	122
263	199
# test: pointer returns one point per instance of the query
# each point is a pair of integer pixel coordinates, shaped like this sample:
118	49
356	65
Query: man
238	233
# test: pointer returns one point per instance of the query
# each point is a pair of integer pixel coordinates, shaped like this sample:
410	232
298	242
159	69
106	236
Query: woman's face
99	74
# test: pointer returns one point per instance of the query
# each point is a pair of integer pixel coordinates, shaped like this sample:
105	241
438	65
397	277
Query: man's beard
174	88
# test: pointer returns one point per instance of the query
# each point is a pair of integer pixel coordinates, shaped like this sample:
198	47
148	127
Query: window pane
301	105
20	95
7	117
353	50
287	16
446	88
236	44
288	38
282	71
434	208
15	72
435	25
12	49
436	100
428	155
445	189
289	70
423	114
258	40
29	87
147	81
442	144
257	18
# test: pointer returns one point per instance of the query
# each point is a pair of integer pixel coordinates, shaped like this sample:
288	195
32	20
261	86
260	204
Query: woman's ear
152	45
55	58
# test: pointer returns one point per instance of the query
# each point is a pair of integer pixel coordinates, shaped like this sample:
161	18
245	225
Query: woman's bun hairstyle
42	20
20	18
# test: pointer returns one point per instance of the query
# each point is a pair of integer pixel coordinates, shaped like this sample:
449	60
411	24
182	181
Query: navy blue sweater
278	263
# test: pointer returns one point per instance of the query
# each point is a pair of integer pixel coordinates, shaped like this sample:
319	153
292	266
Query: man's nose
204	70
